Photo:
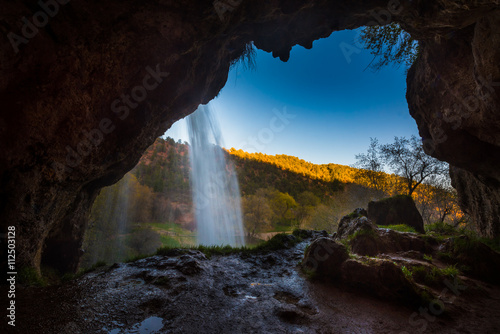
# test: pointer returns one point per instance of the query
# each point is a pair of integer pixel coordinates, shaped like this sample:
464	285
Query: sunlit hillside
152	206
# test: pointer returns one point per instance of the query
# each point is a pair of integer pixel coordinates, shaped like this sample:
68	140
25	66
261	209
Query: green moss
353	215
407	273
399	228
363	232
30	276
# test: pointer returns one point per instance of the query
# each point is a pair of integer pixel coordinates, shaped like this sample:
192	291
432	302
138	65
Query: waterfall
216	194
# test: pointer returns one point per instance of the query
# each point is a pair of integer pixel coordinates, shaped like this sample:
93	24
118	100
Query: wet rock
324	257
360	212
291	314
379	277
351	224
286	297
383	241
396	210
188	265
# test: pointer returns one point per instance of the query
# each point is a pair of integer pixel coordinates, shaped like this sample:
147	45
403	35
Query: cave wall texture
89	89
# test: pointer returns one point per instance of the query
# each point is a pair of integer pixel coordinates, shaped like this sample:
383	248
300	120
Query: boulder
381	278
324	257
366	239
353	223
396	210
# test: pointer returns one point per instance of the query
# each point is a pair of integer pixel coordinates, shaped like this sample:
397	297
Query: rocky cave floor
267	292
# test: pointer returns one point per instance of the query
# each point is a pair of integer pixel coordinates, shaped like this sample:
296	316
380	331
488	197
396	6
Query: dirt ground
239	293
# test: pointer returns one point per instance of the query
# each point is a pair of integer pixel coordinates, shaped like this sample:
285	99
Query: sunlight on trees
279	193
406	157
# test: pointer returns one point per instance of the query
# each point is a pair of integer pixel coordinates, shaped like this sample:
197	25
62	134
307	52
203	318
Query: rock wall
89	89
480	198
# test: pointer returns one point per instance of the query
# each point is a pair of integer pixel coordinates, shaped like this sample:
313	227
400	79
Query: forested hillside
151	206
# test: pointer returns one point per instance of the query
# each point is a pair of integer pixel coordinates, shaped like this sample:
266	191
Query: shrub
441	229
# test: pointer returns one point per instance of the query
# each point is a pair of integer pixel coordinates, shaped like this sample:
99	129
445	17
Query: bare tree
370	167
406	157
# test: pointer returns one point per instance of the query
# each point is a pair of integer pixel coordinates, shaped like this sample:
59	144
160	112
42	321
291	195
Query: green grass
168	241
399	228
450	271
433	276
173	235
279	241
171	227
428	258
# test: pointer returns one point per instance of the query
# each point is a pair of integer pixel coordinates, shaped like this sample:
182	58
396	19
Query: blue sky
335	104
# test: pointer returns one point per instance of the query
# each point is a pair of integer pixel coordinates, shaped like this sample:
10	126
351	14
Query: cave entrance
323	105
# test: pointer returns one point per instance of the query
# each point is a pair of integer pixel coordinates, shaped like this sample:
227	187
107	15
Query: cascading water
216	193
